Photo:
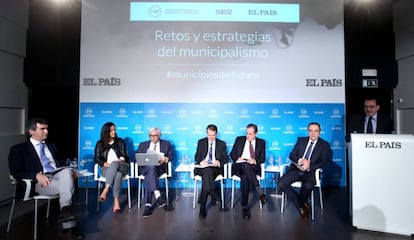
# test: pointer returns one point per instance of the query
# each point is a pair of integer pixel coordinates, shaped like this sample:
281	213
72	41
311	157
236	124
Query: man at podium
371	122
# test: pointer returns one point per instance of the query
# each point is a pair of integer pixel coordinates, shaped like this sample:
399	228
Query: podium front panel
382	186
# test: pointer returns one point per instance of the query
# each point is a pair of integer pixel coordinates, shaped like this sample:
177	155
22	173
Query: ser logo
111	81
323	82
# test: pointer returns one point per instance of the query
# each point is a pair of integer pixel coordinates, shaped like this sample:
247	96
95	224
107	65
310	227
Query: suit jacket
165	147
357	124
259	150
321	153
220	152
24	163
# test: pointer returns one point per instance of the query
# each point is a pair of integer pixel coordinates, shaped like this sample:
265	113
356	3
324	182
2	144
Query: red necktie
252	154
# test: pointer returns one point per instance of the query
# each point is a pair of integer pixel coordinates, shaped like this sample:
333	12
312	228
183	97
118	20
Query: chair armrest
169	169
96	171
262	171
136	170
225	169
318	176
132	169
283	167
192	167
28	183
229	169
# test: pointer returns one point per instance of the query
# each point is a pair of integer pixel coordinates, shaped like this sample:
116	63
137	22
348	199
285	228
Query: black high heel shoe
116	210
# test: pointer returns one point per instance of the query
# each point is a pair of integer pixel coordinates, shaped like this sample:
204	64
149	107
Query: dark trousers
293	175
247	173
151	174
208	176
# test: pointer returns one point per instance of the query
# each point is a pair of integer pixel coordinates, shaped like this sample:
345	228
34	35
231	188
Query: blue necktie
45	160
210	154
308	152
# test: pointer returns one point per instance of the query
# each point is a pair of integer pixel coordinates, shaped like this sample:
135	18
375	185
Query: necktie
370	129
308	151
45	160
155	147
210	154
252	154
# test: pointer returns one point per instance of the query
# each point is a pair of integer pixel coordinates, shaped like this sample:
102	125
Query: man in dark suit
248	153
308	154
210	157
37	160
371	122
152	173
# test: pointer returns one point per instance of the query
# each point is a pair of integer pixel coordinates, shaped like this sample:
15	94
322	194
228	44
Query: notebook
147	159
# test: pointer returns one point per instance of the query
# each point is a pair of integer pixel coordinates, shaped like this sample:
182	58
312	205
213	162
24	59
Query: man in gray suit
37	160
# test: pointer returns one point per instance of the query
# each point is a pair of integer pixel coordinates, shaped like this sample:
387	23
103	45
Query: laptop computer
147	159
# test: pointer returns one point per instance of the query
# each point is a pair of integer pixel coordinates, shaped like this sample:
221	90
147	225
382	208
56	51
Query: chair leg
97	199
48	208
222	193
313	205
139	193
35	221
264	190
195	193
320	197
232	193
167	192
129	193
11	214
282	203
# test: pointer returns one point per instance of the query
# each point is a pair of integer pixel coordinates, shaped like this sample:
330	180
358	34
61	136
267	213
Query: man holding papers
308	154
37	160
210	157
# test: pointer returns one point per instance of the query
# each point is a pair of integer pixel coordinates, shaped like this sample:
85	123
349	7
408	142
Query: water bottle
271	160
279	161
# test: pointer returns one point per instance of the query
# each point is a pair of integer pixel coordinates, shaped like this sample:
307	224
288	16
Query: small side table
275	169
185	168
86	174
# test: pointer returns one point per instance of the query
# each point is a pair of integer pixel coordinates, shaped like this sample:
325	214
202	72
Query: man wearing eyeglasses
371	122
152	173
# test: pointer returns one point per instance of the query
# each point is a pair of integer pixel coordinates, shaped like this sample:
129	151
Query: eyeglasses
153	135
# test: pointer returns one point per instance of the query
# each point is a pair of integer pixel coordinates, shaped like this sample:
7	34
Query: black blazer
118	146
24	163
321	153
220	152
357	124
260	149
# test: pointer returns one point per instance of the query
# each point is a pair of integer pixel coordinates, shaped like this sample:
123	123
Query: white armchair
27	197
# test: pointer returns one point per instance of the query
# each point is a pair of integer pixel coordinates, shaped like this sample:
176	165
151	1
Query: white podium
381	182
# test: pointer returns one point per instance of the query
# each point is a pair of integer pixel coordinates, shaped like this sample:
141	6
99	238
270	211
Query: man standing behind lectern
371	122
211	155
